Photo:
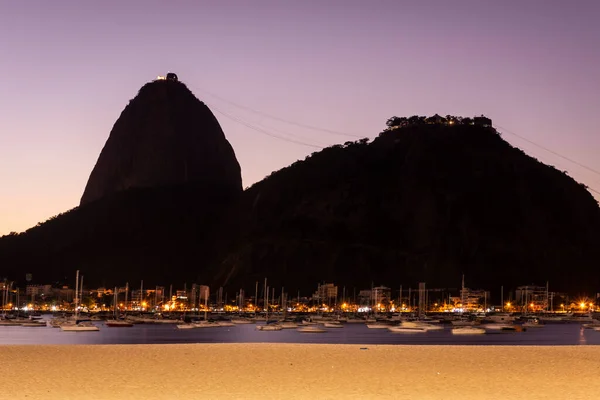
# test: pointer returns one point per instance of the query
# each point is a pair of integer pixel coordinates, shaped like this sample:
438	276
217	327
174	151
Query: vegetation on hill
422	202
426	202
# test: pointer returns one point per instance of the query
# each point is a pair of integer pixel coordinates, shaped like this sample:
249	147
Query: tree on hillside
396	121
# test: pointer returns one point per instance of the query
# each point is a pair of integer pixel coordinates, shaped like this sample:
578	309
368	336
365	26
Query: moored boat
378	326
406	329
79	327
118	323
240	321
270	327
467	330
311	329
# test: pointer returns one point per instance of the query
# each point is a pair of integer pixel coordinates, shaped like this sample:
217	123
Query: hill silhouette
422	202
165	136
425	202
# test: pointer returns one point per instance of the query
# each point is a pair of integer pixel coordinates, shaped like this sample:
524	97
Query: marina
329	332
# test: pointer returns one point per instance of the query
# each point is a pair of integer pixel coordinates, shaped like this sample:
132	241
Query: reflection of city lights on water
582	339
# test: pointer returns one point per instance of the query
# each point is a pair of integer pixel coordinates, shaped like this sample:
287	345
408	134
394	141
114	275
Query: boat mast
547	302
126	294
205	304
81	290
266	301
256	298
76	292
462	294
141	291
3	299
400	299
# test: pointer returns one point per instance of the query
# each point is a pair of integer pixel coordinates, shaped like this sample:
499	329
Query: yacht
500	318
421	325
79	327
407	329
270	327
532	323
378	325
311	329
118	323
240	321
467	330
185	326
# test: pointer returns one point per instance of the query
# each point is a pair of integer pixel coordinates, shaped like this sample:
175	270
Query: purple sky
69	68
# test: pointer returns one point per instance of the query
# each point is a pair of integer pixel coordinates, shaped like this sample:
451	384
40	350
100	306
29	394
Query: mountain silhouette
420	203
165	136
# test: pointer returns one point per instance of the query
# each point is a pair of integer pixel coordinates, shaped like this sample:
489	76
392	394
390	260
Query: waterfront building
533	298
382	296
38	290
326	293
471	300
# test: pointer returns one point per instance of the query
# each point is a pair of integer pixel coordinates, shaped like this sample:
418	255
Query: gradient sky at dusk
69	68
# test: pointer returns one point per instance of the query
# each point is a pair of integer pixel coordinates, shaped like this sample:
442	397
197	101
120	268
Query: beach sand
298	371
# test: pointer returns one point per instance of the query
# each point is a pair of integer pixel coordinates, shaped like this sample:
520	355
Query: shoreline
298	371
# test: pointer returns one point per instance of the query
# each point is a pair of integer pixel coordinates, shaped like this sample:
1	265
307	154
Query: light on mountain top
160	78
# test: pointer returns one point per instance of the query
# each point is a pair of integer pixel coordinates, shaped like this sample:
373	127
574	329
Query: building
38	290
482	121
382	296
64	294
532	297
365	298
436	119
326	293
203	294
101	292
472	300
379	297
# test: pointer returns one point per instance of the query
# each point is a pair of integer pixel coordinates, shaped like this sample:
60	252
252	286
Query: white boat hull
311	329
468	331
401	329
79	328
377	326
269	327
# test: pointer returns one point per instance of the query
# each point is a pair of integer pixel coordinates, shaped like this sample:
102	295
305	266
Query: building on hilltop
171	76
399	122
436	119
482	121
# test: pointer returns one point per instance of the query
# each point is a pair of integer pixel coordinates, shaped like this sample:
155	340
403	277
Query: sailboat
269	325
116	322
76	325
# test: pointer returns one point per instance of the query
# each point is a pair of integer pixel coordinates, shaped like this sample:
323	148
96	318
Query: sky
70	67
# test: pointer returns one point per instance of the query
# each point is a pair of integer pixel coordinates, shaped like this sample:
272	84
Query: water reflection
560	334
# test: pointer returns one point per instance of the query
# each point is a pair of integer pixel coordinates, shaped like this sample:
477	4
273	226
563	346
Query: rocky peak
164	136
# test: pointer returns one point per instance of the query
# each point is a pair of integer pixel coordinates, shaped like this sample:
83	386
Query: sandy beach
298	371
